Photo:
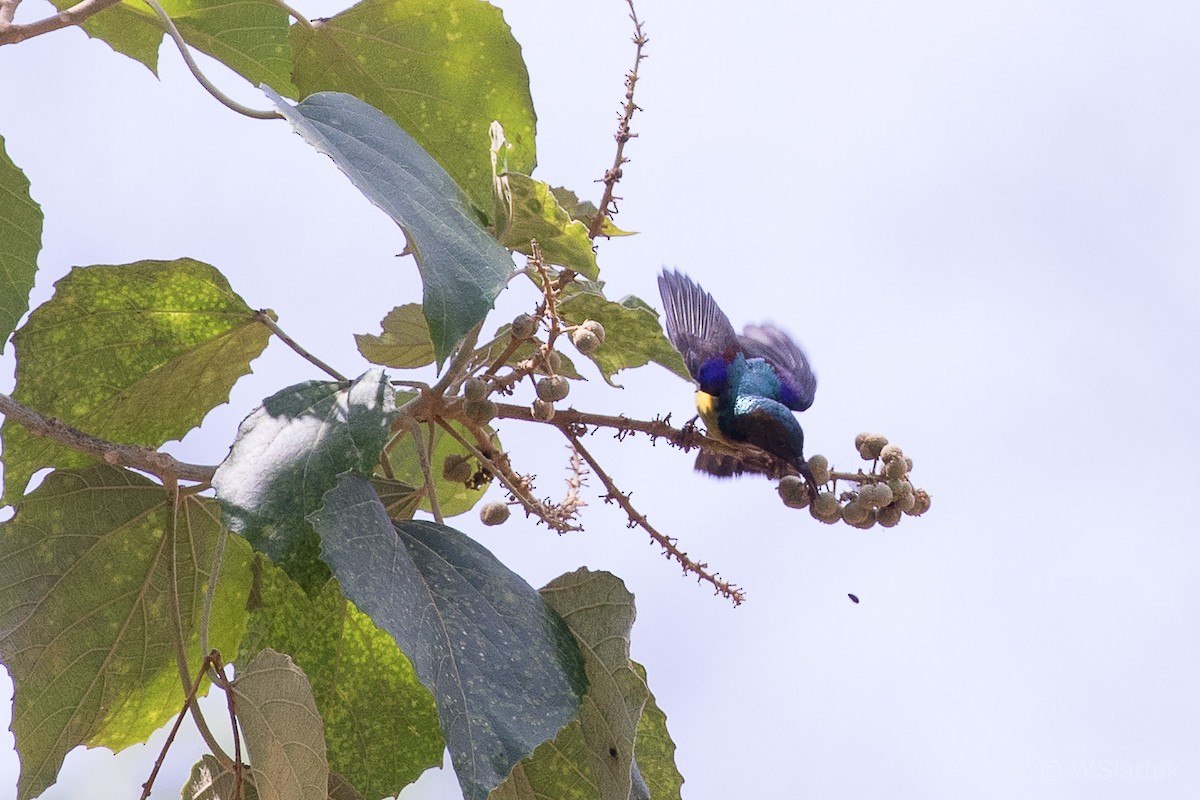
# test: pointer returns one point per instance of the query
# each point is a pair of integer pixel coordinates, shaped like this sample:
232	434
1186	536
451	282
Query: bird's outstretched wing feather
695	323
791	365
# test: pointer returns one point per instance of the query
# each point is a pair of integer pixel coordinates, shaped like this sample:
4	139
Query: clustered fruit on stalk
881	496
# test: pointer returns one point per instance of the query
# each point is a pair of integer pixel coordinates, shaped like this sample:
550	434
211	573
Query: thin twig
669	545
11	34
302	20
208	85
265	319
459	362
8	10
126	455
195	687
607	208
414	430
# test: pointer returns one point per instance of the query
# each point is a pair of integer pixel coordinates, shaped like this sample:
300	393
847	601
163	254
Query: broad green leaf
462	267
633	336
585	211
381	725
492	350
504	671
655	751
536	214
401	499
248	36
453	498
405	343
443	70
20	243
136	354
289	452
592	757
86	613
283	729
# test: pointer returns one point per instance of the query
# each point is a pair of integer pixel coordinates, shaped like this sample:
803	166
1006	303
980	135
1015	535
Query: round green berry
553	388
493	513
855	512
819	466
867	522
896	468
793	491
889	517
480	411
523	326
457	468
920	503
585	341
476	389
543	411
871	445
593	327
826	508
891	452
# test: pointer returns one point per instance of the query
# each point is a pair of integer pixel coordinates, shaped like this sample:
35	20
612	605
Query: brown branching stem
607	207
211	659
165	467
265	318
669	545
76	14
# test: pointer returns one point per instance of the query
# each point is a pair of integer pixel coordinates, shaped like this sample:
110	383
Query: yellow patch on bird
706	404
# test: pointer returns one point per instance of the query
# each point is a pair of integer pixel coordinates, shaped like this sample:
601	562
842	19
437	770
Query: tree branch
11	34
162	465
273	326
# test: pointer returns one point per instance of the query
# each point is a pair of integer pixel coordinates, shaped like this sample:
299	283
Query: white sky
980	219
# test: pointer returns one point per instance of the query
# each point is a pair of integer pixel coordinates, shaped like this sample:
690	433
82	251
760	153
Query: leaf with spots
20	242
381	725
534	213
86	610
284	733
503	668
462	267
443	70
135	354
655	751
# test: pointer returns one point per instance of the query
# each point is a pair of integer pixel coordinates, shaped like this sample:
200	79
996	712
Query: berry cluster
881	496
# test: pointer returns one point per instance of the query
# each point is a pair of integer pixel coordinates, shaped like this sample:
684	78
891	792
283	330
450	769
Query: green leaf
381	725
534	213
504	670
591	758
211	780
585	211
284	733
86	614
453	498
248	36
289	452
462	267
443	70
633	336
20	243
405	343
401	499
655	751
136	353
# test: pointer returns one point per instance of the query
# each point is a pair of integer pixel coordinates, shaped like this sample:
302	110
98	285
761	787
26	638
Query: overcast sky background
983	222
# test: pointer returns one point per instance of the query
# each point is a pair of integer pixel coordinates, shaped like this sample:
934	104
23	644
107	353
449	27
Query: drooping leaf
136	354
443	70
633	335
655	751
405	343
381	725
284	733
454	497
211	780
591	758
504	670
289	452
86	627
462	267
585	211
248	36
20	243
536	214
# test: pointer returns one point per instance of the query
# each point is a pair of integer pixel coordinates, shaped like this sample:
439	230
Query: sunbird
749	384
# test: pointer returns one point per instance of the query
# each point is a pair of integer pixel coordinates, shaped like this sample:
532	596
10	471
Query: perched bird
749	384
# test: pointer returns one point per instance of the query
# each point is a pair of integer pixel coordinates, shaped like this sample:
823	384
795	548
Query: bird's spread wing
791	365
696	326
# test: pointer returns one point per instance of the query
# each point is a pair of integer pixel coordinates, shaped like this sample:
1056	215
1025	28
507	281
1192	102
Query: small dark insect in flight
853	597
